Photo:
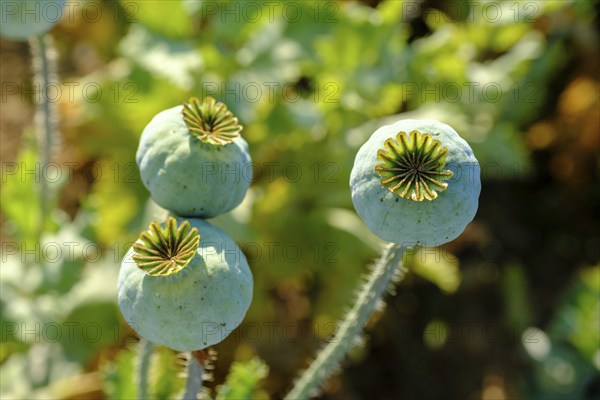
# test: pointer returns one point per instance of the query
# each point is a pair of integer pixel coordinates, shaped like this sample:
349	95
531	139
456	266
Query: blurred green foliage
242	381
310	82
165	377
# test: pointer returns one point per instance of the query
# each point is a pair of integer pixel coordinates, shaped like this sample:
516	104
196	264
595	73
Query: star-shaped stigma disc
164	251
210	121
412	166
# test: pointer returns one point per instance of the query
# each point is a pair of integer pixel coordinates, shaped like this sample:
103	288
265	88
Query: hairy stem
352	325
46	115
193	383
146	349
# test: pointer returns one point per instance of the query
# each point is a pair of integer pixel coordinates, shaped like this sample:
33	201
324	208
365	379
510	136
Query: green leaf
177	61
165	374
20	192
20	196
119	376
516	297
437	265
242	381
171	19
94	327
578	318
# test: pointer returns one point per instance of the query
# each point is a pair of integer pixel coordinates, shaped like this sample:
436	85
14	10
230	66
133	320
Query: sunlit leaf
243	381
437	265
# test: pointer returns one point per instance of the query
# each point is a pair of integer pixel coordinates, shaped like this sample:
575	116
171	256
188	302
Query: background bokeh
509	310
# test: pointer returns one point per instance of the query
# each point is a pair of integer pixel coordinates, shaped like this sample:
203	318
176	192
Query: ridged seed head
413	166
168	250
210	121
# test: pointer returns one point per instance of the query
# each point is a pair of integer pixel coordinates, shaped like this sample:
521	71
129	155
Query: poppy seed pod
416	182
184	284
193	160
22	19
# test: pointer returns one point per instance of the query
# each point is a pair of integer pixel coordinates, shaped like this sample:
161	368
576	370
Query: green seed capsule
22	19
416	182
193	160
185	285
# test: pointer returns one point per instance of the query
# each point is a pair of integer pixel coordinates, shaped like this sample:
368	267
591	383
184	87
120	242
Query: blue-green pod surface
192	169
186	294
22	19
416	182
